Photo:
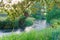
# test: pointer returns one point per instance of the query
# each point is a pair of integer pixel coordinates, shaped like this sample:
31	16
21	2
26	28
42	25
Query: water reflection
3	15
38	25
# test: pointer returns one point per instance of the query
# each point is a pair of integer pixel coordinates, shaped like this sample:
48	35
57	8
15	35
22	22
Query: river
38	25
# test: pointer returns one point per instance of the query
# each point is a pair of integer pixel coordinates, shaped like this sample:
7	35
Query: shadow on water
38	24
7	30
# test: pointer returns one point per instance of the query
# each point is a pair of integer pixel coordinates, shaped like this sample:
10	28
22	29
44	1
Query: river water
38	25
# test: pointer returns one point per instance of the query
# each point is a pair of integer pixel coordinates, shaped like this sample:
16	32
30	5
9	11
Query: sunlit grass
45	34
3	18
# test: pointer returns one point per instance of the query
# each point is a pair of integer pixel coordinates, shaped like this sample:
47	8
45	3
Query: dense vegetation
18	14
24	14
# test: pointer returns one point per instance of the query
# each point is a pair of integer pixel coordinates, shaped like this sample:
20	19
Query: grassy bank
46	34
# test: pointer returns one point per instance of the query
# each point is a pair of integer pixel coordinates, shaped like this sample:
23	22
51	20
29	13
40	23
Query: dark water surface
38	25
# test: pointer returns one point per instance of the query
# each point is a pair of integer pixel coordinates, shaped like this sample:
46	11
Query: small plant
29	21
55	23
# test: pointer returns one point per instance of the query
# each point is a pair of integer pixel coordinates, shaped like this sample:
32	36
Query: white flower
12	2
16	1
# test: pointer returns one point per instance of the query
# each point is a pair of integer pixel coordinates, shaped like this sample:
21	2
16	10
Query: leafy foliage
55	23
53	14
30	8
29	21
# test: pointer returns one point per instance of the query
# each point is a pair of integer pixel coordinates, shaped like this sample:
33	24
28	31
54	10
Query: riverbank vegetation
23	14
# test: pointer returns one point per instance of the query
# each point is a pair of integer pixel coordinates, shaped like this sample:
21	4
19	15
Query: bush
46	34
16	23
36	16
2	24
29	21
55	22
7	24
12	24
53	14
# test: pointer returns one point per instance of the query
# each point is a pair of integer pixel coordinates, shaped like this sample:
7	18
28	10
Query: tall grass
46	34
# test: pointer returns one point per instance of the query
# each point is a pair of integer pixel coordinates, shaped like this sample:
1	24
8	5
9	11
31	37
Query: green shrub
36	16
7	24
55	22
16	23
2	24
12	24
29	21
53	14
